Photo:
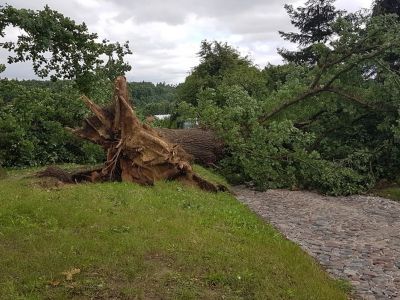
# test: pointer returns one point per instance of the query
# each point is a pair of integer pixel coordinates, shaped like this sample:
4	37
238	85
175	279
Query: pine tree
382	7
314	22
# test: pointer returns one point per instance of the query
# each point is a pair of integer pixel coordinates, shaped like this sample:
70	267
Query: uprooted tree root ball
135	151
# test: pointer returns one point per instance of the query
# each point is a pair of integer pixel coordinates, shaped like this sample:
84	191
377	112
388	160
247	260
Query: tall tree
216	60
75	53
314	22
382	7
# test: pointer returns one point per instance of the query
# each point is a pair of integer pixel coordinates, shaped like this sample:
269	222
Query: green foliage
75	52
392	192
34	114
32	122
315	24
219	62
276	156
386	7
3	173
153	99
331	126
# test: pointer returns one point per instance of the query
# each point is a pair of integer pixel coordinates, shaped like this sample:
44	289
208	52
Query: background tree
384	7
217	60
33	115
381	7
75	53
153	99
314	22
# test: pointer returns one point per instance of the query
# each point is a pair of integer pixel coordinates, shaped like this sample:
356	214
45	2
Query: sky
165	35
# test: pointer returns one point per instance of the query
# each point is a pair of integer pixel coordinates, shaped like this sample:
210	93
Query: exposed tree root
135	151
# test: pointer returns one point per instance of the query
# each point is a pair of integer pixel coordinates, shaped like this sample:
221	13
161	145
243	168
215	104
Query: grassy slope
132	242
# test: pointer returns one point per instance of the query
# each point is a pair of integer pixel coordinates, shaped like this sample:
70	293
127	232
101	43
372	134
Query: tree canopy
314	22
386	7
218	61
60	48
328	125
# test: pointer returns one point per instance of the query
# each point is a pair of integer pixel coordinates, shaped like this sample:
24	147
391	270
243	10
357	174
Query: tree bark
203	145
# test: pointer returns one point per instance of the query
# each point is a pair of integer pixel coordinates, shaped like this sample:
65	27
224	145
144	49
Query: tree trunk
138	153
205	148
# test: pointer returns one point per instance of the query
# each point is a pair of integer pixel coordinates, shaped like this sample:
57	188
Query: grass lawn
124	241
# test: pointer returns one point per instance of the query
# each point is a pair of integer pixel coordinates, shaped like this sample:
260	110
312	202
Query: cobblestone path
356	238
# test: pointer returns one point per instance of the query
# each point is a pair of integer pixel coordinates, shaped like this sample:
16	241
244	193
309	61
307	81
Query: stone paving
356	238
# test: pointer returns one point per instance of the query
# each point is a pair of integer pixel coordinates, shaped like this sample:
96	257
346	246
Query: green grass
390	193
133	242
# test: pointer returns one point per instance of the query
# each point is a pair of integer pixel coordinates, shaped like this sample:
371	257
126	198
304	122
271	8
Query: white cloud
165	35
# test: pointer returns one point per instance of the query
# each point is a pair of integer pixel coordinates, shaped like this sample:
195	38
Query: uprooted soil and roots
135	151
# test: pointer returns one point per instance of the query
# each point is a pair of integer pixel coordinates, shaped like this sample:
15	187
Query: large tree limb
289	103
353	98
317	86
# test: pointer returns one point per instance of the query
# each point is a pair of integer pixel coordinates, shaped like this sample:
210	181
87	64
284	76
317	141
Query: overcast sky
165	35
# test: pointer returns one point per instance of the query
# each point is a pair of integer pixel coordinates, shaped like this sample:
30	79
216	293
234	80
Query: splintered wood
135	151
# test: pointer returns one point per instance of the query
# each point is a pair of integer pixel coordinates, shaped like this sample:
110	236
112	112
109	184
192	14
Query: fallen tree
203	145
135	151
